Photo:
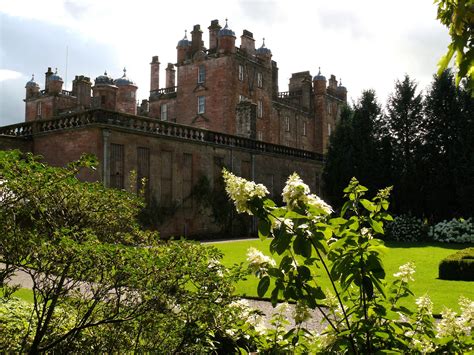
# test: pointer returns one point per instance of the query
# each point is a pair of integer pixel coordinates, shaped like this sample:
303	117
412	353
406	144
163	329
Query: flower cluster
296	191
258	262
242	191
406	271
424	305
453	231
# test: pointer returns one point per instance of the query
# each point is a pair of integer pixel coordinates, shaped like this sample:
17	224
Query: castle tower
105	92
32	88
214	29
154	73
264	54
226	40
341	91
81	88
183	48
321	136
55	83
126	94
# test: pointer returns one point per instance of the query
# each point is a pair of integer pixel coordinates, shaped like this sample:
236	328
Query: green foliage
406	228
363	314
99	282
453	231
458	266
458	16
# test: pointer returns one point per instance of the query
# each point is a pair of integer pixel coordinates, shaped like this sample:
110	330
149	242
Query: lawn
425	256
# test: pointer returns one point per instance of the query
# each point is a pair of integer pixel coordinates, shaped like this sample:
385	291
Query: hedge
458	266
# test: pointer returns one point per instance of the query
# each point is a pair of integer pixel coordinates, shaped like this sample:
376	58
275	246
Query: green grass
23	293
425	256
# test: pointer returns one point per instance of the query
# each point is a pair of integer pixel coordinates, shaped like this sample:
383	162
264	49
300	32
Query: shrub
458	266
406	228
453	231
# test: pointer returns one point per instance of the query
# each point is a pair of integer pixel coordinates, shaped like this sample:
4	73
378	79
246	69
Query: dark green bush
458	266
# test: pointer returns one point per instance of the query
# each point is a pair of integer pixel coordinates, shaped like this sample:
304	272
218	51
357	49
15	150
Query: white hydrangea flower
424	304
241	191
258	262
450	325
282	307
406	271
286	222
316	202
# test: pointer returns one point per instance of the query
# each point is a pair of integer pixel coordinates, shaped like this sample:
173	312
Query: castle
221	106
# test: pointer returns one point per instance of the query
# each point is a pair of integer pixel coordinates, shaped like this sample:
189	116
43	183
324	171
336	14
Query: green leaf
376	226
263	286
368	205
263	229
302	246
368	287
281	242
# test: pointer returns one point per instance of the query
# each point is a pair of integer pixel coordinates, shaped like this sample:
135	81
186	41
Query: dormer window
201	74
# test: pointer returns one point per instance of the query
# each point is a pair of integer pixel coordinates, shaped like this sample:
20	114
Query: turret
170	76
81	88
264	54
247	43
321	135
126	94
105	92
214	29
55	83
32	88
341	91
183	48
154	73
332	84
226	40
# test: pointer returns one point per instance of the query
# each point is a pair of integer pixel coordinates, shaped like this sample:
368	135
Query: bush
458	266
453	231
406	228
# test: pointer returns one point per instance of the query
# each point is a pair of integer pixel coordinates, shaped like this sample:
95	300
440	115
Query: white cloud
7	74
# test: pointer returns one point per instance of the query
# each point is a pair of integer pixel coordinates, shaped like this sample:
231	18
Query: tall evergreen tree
403	124
352	150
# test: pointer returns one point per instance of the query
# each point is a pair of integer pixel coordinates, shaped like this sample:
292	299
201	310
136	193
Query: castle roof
104	79
123	80
226	31
263	50
319	76
32	82
55	76
184	42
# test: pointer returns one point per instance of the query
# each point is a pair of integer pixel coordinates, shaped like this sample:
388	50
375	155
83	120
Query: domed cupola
104	79
264	50
32	83
319	76
184	43
124	80
226	31
55	76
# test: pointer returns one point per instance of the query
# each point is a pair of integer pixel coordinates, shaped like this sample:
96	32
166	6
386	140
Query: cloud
75	9
259	11
7	74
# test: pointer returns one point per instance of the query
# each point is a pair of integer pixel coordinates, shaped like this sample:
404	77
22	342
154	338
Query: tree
403	129
458	16
353	148
99	282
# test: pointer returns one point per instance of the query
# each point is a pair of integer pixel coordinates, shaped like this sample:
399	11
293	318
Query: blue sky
367	43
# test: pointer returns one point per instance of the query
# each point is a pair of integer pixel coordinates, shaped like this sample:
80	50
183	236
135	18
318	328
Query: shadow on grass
403	245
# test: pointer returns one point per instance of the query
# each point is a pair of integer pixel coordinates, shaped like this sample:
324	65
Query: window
287	123
260	108
241	72
329	129
329	108
164	112
259	80
304	128
201	74
116	166
201	104
132	94
39	109
241	98
260	136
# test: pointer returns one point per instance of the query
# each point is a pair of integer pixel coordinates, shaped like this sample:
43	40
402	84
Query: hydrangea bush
453	231
362	310
406	228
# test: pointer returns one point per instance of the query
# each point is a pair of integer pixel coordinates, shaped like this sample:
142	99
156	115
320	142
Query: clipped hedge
458	266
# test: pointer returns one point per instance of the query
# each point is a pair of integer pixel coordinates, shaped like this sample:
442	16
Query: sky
368	44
